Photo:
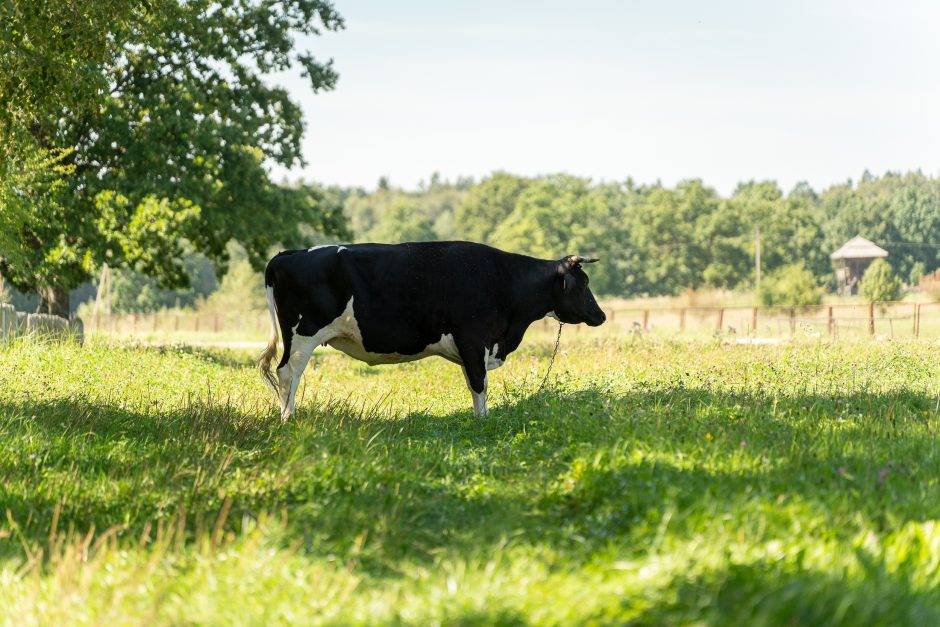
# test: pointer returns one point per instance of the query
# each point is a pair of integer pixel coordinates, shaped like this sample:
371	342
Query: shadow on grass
570	473
764	593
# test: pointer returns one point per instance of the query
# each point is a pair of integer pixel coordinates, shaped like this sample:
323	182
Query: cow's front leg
474	371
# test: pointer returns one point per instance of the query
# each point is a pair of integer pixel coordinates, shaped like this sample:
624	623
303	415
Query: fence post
792	321
721	318
754	320
917	321
832	324
646	319
682	320
215	324
871	318
914	330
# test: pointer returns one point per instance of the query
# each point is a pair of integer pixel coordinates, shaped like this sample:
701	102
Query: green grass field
653	482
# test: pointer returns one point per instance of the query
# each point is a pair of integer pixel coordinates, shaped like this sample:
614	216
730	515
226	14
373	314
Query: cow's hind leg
283	371
289	377
297	351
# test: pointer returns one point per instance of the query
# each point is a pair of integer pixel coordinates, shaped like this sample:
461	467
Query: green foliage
31	183
393	215
403	222
880	283
552	214
134	292
51	52
241	289
173	141
487	204
653	484
900	212
51	58
666	229
790	285
656	240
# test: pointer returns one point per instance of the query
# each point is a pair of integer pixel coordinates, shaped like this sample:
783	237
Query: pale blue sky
719	90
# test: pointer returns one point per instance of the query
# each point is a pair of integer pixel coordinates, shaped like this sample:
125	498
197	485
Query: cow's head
572	298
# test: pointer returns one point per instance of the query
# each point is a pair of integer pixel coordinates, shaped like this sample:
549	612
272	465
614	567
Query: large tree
175	145
51	54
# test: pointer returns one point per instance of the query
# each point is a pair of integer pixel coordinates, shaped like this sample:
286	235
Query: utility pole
756	259
104	289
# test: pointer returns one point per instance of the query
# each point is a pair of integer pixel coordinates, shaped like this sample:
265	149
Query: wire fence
183	323
835	322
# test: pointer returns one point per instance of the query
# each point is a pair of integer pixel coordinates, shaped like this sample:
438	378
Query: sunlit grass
653	481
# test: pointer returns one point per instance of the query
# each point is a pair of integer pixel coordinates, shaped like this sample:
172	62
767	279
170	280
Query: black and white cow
391	303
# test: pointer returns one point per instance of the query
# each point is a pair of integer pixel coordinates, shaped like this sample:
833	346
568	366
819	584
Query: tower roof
859	248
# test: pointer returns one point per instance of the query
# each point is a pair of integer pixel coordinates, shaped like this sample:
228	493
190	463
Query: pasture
652	482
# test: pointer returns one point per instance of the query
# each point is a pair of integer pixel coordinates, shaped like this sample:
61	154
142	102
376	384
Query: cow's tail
270	351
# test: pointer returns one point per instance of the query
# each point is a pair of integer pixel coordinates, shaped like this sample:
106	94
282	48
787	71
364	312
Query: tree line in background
659	240
653	239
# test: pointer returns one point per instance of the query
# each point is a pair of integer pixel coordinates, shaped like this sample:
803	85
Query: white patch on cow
345	336
490	360
319	246
444	347
479	398
294	328
272	309
302	347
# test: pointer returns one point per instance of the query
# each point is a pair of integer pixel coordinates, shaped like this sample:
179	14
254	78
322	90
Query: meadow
651	482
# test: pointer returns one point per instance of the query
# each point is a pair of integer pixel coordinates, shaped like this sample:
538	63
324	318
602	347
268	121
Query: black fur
406	296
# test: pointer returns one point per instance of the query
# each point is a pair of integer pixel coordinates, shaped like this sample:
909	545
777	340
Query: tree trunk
54	300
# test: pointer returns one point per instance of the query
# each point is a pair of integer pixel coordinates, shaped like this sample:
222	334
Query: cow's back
403	296
409	295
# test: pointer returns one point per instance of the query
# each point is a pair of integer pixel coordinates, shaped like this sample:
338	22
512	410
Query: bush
790	285
880	283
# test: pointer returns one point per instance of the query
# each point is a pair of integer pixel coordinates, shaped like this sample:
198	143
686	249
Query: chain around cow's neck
554	354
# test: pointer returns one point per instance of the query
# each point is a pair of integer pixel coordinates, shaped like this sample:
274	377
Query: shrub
880	283
792	285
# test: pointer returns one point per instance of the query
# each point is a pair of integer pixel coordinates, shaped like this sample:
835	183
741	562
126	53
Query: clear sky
660	89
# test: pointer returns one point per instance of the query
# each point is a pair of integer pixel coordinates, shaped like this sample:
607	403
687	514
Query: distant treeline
653	239
657	240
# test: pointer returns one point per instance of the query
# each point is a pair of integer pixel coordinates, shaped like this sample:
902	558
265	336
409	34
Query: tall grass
653	482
